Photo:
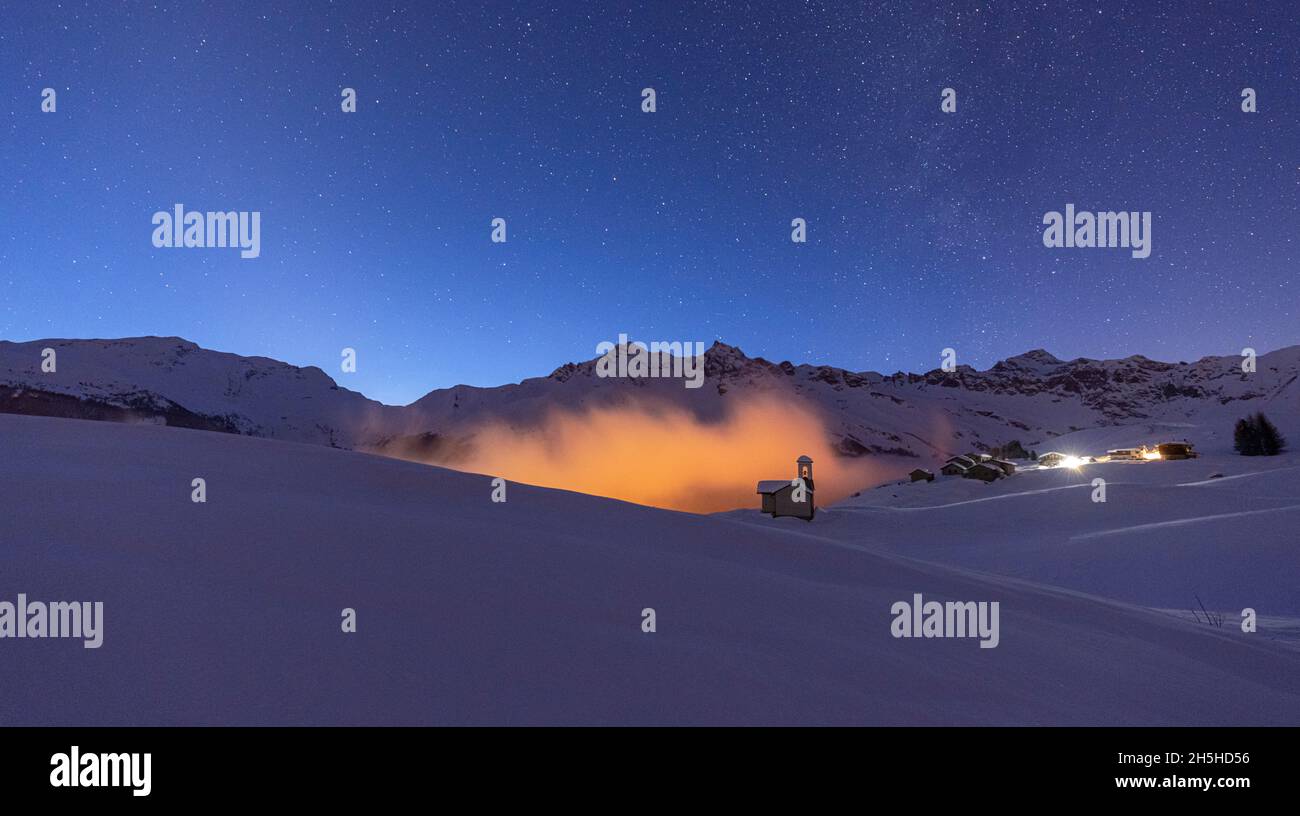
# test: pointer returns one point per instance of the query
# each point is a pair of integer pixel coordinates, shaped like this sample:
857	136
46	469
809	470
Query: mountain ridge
1033	396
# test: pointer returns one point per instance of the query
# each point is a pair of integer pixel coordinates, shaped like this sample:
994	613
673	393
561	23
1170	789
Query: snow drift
529	611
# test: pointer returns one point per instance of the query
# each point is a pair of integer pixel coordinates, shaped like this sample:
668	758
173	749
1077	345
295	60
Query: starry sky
924	228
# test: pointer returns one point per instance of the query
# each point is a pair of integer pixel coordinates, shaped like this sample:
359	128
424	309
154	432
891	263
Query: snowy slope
1166	533
529	611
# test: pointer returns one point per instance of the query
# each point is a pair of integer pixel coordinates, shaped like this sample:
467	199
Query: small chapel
793	497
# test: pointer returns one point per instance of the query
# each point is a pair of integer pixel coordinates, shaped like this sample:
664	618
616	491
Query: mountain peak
1039	356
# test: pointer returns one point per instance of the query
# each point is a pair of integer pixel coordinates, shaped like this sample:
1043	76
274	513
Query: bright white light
1072	462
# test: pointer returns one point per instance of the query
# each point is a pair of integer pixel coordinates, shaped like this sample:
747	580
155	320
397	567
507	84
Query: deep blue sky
924	228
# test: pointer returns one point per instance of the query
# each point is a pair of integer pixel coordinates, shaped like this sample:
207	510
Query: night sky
924	228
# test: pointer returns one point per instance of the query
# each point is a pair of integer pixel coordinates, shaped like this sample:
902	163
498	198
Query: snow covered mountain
530	610
168	380
1032	397
894	421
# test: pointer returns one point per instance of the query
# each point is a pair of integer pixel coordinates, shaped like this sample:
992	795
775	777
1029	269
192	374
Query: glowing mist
666	457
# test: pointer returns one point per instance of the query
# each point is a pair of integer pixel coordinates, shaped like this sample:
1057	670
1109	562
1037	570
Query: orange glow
666	457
